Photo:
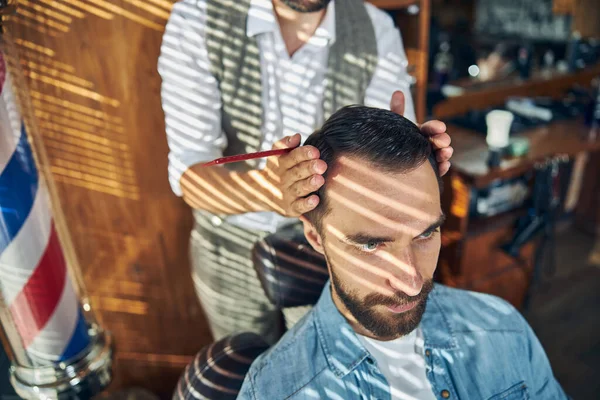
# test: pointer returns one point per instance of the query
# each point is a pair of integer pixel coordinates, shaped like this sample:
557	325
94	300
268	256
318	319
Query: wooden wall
586	14
91	68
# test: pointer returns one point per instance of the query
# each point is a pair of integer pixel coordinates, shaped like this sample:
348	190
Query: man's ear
312	235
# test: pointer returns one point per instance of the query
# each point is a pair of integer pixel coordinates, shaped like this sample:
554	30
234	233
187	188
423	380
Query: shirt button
445	394
428	352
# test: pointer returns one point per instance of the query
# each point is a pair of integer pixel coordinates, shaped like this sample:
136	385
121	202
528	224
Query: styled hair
381	138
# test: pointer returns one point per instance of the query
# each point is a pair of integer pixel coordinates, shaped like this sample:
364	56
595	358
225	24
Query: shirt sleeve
247	390
390	73
543	384
190	95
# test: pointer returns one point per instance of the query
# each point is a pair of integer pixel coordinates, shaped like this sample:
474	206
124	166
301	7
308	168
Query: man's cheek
427	261
362	274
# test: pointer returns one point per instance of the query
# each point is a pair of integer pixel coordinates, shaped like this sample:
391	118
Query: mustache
399	298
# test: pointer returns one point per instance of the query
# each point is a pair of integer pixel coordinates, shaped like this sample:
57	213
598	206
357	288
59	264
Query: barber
251	75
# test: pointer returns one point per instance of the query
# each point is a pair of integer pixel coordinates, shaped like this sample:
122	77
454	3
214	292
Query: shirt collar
261	19
437	327
344	350
340	344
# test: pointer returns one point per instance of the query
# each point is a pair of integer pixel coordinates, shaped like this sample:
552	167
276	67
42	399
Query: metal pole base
83	378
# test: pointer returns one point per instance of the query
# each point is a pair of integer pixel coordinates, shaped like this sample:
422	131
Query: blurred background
524	227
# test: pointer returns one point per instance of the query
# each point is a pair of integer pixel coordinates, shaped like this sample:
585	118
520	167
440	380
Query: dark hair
381	138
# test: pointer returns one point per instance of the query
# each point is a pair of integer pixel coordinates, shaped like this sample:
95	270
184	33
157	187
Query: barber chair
291	272
293	276
218	370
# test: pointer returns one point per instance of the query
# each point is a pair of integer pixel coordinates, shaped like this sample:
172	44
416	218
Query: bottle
442	64
573	52
548	63
524	58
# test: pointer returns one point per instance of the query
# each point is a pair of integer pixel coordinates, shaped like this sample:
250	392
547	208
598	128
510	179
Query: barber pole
33	273
55	351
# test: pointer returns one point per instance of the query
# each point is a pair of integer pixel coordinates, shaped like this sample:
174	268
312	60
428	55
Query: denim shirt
477	346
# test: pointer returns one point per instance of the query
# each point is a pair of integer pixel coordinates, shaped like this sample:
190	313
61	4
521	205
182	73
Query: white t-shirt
402	363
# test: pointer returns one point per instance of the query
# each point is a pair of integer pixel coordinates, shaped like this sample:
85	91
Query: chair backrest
292	275
218	370
291	272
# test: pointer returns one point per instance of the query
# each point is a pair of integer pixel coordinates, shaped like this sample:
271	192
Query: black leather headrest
291	272
218	370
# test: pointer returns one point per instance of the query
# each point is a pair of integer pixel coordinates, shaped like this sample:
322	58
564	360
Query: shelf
471	152
497	92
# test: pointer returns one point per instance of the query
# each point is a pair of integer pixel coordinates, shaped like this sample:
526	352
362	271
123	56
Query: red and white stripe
34	283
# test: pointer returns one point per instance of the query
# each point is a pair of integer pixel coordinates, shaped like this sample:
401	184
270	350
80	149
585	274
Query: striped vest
235	63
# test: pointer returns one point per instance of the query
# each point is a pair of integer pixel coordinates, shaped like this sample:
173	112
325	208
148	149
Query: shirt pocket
515	392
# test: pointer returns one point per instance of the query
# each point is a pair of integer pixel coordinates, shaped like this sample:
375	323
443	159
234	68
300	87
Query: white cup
498	128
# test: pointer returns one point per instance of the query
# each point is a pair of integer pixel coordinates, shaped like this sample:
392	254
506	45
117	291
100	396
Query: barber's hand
294	176
435	132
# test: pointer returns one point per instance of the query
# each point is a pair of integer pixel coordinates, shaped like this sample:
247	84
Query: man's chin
378	314
402	308
385	324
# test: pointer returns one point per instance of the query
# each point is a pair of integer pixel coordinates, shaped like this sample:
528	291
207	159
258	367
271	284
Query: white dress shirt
402	363
292	87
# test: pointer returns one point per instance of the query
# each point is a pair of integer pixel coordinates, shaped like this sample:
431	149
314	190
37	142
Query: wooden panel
563	6
472	259
91	67
415	35
417	69
456	196
485	268
588	209
482	257
424	22
586	17
511	285
586	14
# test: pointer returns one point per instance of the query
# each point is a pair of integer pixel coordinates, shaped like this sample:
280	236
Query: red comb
249	156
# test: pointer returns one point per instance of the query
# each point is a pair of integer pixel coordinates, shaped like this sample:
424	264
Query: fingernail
310	154
312	201
313	180
315	166
288	140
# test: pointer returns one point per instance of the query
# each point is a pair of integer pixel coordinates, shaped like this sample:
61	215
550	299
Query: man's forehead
353	179
353	219
360	194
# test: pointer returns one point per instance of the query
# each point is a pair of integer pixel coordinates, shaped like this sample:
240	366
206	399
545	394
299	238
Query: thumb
397	103
288	142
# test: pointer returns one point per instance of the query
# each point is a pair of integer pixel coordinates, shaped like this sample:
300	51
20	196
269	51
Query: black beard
394	326
306	6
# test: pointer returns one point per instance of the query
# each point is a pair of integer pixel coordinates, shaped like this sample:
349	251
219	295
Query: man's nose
404	274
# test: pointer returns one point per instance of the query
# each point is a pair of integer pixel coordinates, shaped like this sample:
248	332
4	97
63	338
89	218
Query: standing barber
248	75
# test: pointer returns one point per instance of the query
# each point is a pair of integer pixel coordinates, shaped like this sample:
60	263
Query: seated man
382	329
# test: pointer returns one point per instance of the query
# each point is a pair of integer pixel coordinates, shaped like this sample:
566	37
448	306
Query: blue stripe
78	341
18	186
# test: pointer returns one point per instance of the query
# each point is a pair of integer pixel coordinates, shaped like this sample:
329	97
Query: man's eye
427	235
370	246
